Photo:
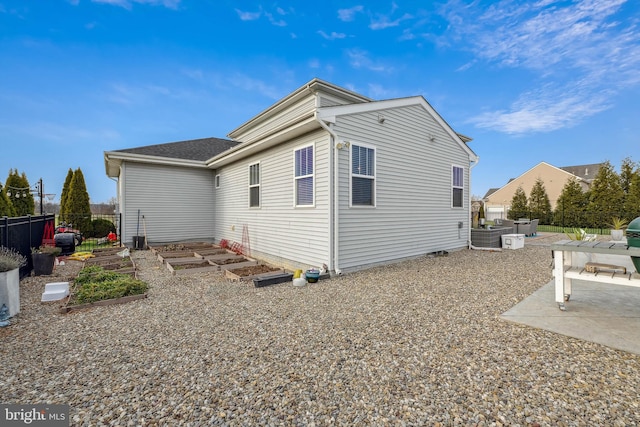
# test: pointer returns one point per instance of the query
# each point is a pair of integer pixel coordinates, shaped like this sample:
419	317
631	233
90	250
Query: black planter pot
43	264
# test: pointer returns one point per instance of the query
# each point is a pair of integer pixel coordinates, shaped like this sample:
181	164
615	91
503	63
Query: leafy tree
605	197
539	203
77	209
65	194
6	207
571	205
519	206
19	192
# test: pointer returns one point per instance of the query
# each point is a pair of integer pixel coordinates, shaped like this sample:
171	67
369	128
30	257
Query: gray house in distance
323	176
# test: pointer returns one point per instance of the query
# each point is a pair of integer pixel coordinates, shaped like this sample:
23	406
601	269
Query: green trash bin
633	240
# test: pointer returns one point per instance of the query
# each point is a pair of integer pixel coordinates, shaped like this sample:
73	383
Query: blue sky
529	81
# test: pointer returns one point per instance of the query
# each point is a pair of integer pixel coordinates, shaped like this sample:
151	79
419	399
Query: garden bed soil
252	272
235	265
221	259
168	256
191	267
173	247
211	251
201	245
107	251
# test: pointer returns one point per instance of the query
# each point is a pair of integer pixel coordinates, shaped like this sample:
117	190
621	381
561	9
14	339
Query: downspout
471	166
333	196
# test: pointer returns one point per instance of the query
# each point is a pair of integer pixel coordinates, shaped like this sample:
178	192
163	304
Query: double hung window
303	176
363	178
254	185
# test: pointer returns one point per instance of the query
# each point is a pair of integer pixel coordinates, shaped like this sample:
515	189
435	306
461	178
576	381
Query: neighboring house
324	176
498	200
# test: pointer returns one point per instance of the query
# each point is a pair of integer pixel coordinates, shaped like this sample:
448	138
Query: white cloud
247	83
347	15
248	16
577	51
332	36
360	59
380	22
127	4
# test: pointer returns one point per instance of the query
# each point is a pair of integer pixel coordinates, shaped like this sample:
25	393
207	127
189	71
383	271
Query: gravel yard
415	343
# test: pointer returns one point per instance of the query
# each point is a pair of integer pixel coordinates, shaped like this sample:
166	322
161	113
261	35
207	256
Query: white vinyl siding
278	232
303	176
413	213
363	179
254	185
457	186
175	203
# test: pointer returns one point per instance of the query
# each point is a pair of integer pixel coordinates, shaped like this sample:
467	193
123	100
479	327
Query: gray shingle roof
196	149
586	172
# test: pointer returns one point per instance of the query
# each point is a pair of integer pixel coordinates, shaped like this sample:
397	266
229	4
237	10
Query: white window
303	176
254	185
363	178
457	186
217	181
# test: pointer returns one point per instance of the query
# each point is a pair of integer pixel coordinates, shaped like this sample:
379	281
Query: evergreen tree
628	169
632	199
65	194
6	207
77	206
19	192
605	197
519	207
539	203
571	205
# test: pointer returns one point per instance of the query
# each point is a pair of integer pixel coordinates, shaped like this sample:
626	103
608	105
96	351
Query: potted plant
617	228
10	263
44	259
481	215
579	259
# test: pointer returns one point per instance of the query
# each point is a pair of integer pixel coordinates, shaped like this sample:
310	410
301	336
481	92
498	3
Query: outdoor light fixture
381	118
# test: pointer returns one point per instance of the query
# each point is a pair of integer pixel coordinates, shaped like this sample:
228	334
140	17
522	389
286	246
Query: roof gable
329	114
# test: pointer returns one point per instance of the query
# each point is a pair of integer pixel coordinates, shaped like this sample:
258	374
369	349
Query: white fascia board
243	150
115	159
329	114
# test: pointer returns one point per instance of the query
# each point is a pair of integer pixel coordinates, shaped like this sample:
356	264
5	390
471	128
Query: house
325	176
498	200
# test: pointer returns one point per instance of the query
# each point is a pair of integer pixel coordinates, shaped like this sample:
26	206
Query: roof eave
113	160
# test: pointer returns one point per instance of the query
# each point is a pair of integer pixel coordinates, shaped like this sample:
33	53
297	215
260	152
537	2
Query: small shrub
101	228
11	259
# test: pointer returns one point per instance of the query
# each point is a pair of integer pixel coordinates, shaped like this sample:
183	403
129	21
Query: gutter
333	196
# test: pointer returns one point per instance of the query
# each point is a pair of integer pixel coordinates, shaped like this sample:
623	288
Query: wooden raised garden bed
251	272
193	265
207	252
169	256
67	308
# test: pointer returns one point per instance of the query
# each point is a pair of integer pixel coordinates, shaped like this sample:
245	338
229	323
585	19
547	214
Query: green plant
618	223
54	250
94	283
101	227
581	234
10	259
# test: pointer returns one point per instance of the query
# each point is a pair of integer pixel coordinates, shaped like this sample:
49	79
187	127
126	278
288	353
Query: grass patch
94	283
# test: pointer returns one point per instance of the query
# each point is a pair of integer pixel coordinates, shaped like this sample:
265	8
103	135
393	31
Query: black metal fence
26	232
564	220
23	233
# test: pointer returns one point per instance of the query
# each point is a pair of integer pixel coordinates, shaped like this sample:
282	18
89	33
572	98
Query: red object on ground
47	236
112	237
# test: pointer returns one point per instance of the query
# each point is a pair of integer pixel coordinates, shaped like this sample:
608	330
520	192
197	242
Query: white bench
564	272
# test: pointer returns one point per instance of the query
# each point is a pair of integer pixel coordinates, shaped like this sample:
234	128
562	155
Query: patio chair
509	223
